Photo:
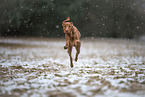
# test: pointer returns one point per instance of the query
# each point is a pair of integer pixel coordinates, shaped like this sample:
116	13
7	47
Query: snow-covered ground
32	67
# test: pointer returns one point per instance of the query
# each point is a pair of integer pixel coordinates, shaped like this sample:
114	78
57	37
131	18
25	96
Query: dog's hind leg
75	42
78	50
69	52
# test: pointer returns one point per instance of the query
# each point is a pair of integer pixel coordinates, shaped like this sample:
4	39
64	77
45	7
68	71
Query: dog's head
67	25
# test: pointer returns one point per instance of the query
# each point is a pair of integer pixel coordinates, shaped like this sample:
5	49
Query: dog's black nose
66	30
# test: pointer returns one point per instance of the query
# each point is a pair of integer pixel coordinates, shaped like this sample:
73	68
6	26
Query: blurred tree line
103	18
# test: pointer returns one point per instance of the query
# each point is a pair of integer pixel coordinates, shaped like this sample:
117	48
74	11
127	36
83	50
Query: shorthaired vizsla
72	36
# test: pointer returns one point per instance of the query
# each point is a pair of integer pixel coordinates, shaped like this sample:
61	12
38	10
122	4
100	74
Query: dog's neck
72	29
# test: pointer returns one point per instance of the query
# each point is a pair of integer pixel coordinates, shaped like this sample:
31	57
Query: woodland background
101	18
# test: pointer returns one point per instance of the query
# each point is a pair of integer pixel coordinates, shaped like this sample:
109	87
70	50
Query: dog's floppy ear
63	24
68	19
71	23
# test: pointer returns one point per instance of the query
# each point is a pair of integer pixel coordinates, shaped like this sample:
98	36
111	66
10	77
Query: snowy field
33	67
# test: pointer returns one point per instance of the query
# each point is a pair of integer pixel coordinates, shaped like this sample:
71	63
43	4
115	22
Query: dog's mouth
67	32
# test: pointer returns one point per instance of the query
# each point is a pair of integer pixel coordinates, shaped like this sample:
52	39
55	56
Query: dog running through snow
72	37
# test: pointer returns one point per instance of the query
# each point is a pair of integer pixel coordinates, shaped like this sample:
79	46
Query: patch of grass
58	75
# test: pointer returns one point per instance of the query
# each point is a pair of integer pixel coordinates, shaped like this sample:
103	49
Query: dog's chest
72	36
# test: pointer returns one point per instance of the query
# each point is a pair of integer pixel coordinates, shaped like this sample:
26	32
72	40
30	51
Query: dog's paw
65	47
76	59
71	65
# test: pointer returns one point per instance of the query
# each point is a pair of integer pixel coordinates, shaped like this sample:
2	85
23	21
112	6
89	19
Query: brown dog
72	36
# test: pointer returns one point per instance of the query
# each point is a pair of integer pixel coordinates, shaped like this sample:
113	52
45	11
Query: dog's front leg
77	49
74	43
66	45
67	38
69	52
